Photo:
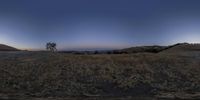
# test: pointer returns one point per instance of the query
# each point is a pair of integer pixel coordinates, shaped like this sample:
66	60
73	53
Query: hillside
176	48
182	48
7	48
139	49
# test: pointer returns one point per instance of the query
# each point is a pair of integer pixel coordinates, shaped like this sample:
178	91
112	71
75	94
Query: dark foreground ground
141	76
80	98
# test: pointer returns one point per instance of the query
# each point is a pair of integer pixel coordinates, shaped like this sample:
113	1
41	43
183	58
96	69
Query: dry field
44	74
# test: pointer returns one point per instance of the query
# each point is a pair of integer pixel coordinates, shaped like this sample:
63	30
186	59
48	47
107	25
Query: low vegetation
45	74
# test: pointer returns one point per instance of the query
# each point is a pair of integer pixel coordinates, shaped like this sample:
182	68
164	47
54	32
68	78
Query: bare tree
51	46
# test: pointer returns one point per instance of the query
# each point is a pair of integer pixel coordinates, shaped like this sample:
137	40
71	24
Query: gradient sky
98	24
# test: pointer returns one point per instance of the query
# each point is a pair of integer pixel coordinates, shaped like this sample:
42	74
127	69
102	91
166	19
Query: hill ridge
4	47
182	47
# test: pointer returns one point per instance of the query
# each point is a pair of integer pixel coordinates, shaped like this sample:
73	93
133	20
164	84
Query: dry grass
48	74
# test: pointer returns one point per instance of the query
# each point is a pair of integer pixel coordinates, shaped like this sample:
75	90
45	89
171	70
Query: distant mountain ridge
4	47
152	49
179	47
182	47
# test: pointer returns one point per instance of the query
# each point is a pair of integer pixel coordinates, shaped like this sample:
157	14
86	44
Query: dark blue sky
98	24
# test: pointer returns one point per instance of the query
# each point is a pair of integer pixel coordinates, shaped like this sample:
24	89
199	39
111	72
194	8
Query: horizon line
93	49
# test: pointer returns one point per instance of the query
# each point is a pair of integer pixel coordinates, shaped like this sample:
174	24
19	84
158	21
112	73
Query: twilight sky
98	24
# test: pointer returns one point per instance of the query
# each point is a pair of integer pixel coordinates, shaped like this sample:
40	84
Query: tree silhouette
51	46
